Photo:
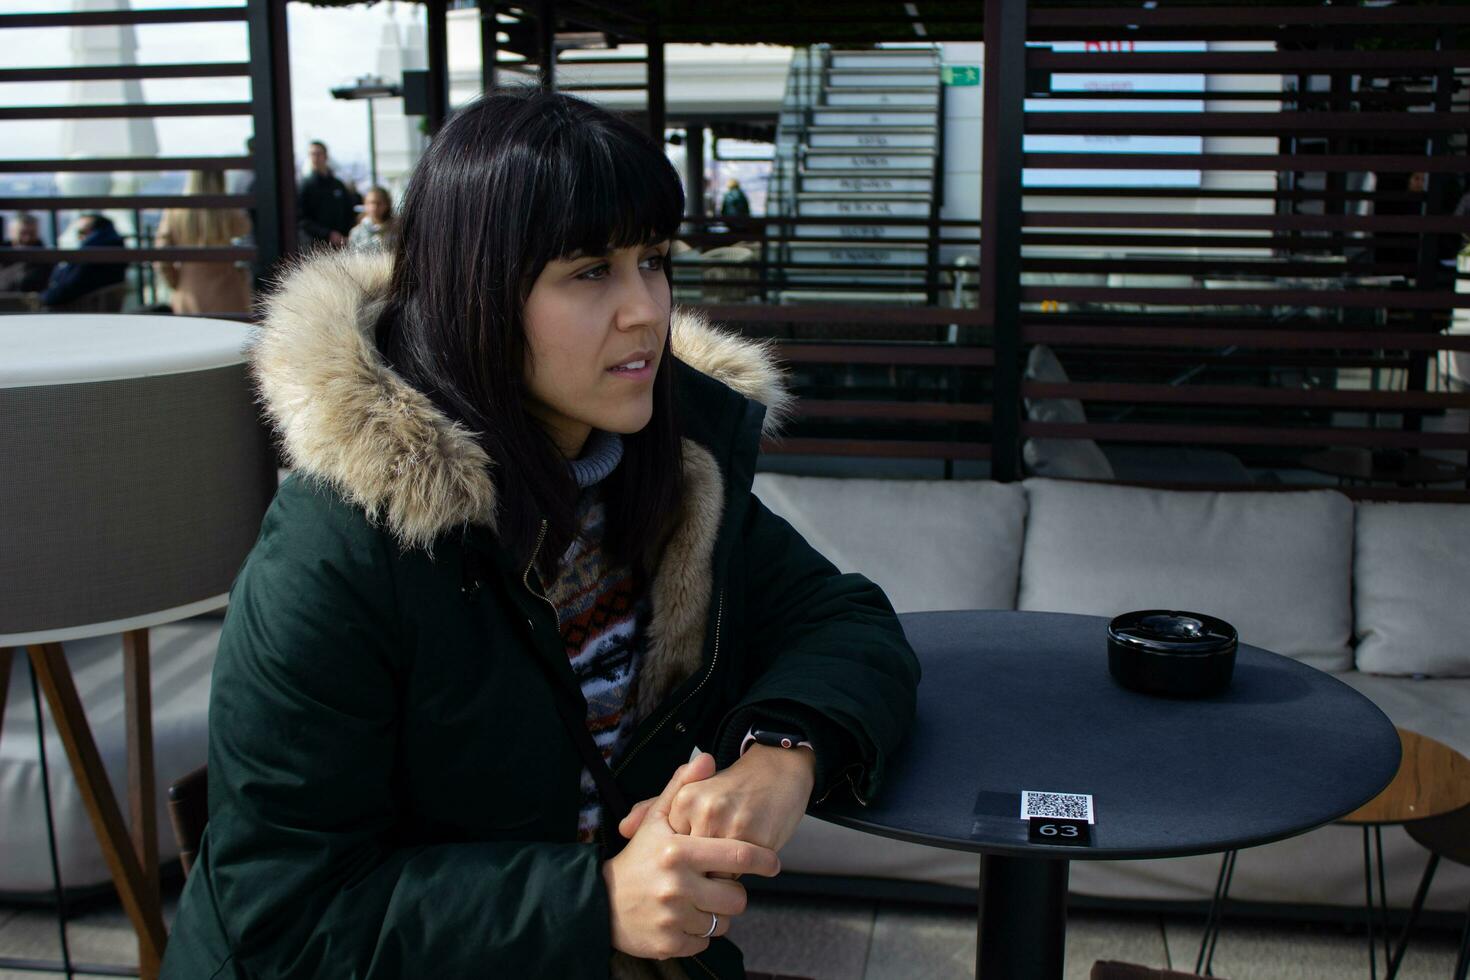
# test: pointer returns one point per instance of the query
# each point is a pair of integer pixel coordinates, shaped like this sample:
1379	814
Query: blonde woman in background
374	231
205	287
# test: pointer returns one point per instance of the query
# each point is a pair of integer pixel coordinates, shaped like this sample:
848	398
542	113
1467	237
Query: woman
374	231
519	541
205	287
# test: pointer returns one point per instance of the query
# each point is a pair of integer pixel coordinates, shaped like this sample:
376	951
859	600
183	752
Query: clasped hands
686	847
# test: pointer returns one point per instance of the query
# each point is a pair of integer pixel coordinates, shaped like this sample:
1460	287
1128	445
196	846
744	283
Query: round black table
1014	701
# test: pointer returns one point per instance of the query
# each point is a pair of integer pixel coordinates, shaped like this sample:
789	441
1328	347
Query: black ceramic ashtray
1171	653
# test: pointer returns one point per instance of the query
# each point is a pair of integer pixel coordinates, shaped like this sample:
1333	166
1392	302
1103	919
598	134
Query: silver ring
714	923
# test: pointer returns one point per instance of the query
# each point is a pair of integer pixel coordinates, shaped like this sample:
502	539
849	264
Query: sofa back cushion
929	544
1276	565
1412	568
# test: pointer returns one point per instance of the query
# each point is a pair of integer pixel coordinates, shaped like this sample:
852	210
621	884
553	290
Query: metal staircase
859	138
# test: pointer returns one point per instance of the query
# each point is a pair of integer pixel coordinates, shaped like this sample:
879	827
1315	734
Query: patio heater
368	88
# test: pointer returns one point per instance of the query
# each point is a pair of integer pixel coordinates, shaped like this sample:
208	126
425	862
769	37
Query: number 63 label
1055	830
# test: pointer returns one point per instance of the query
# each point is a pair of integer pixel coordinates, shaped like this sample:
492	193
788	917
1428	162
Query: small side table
1447	836
1432	780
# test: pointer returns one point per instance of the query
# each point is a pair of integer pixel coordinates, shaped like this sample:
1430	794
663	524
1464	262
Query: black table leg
1023	918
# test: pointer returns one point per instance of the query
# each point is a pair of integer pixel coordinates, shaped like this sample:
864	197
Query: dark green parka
392	793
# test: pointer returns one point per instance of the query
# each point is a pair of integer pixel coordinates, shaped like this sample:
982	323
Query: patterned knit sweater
603	611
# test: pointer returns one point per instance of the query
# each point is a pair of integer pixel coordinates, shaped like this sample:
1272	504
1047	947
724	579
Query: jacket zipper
526	575
719	620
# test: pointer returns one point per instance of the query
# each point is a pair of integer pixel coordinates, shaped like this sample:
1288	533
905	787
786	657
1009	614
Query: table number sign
1058	818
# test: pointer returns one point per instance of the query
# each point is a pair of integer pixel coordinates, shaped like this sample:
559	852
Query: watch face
785	740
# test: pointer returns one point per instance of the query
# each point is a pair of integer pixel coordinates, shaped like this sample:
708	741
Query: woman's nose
642	301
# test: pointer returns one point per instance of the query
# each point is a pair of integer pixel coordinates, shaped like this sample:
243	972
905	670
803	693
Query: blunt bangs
604	186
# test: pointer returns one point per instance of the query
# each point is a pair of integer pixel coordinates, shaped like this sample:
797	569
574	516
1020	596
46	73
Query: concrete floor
827	939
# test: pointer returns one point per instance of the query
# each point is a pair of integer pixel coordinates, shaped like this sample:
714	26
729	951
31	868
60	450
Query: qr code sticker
1058	806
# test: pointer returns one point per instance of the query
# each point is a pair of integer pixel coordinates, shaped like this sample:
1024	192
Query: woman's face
595	331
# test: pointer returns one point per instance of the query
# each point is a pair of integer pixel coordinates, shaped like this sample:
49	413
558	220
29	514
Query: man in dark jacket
24	277
71	281
325	204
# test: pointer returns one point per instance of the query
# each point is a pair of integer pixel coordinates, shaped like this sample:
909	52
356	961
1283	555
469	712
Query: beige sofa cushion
929	544
1409	586
1276	565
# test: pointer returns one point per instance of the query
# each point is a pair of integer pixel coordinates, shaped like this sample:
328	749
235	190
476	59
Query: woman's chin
628	423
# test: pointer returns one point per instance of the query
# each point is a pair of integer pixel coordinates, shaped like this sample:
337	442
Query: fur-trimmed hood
345	417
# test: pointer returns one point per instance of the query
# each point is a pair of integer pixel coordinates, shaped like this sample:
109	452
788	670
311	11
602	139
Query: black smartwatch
774	738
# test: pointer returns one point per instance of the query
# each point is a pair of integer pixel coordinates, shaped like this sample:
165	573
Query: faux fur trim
348	419
680	590
748	366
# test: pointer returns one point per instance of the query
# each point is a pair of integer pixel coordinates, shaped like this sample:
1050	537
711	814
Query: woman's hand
759	799
659	888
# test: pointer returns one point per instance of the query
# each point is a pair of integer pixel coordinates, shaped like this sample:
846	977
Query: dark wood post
438	30
489	45
656	107
694	164
1004	82
274	162
546	43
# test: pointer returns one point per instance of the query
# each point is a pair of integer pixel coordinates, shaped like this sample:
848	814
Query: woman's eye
655	263
594	273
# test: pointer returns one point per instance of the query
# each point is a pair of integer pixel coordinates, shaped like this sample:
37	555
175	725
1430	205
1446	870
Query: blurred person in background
205	287
73	281
734	204
326	207
376	229
24	277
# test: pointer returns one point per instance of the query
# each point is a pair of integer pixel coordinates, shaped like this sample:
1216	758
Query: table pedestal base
1023	918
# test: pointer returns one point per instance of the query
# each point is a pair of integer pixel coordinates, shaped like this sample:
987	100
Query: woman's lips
636	369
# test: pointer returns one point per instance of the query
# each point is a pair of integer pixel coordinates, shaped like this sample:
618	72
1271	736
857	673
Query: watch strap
790	741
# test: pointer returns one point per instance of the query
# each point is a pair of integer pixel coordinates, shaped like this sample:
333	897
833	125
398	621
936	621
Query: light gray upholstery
929	544
1412	573
1276	565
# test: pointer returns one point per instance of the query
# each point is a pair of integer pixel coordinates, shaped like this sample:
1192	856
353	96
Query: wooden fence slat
1245	435
1204	337
877	447
1203	394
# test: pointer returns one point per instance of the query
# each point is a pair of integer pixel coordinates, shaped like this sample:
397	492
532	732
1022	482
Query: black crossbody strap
614	803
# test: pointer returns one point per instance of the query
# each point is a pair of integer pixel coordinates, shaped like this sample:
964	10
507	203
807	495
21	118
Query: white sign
1127	86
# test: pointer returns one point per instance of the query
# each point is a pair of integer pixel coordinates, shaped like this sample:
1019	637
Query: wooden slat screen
261	60
1285	303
